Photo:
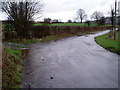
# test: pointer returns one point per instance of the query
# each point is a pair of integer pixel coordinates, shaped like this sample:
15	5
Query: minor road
76	62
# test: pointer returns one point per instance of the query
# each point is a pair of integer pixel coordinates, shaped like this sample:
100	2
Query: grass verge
108	43
12	68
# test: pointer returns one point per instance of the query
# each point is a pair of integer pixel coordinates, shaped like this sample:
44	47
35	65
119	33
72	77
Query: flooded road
76	62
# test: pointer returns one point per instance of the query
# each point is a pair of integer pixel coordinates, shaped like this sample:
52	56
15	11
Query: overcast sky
66	9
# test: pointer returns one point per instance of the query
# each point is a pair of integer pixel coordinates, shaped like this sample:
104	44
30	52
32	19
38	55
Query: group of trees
49	20
81	15
97	16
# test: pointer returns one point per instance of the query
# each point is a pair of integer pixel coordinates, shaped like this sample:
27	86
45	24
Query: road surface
76	62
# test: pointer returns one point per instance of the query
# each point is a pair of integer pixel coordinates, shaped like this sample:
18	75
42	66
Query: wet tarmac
76	62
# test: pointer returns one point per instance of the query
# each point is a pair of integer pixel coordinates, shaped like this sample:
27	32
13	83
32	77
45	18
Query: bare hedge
43	31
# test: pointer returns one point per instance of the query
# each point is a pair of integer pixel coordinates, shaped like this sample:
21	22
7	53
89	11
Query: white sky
66	9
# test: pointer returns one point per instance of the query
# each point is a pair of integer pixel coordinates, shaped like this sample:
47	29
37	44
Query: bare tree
22	14
97	15
81	15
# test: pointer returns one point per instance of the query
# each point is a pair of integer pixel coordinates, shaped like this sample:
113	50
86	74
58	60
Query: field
66	24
